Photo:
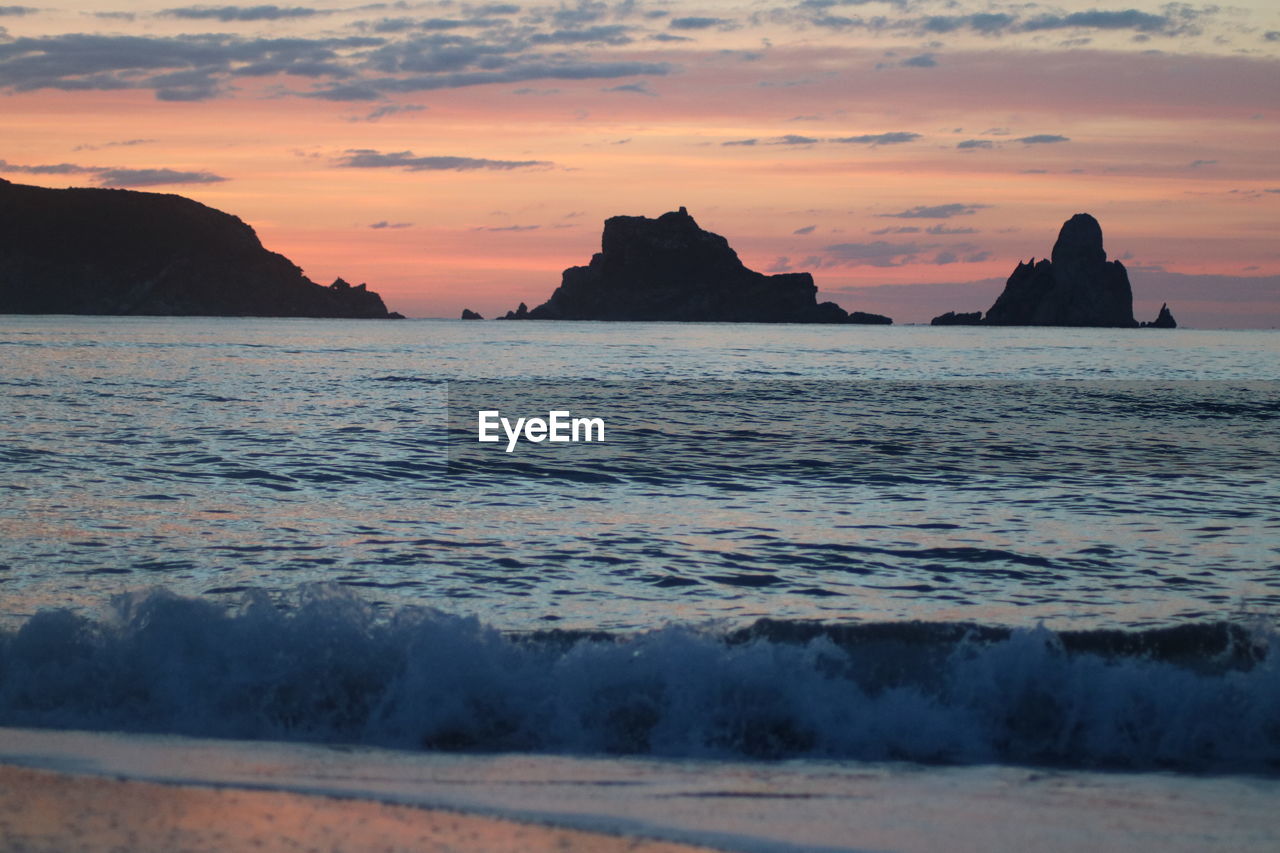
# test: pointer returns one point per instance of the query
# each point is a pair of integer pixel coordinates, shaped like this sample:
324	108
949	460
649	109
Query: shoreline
69	791
49	810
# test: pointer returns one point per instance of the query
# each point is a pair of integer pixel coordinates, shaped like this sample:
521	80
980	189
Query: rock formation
468	314
1077	287
951	318
1163	320
670	269
100	251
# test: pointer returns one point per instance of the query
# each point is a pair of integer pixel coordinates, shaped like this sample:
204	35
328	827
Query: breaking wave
327	667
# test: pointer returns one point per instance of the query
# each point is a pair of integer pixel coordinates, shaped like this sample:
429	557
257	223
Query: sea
951	547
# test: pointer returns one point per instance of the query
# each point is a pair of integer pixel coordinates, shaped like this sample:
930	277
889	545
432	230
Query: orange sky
870	143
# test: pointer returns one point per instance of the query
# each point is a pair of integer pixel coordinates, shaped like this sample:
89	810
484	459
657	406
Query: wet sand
42	810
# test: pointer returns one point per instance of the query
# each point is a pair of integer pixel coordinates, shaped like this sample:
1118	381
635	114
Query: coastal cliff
1075	286
671	269
109	251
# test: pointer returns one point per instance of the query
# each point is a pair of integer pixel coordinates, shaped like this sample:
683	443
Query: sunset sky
906	153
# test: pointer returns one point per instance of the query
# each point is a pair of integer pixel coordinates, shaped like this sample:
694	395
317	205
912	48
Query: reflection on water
214	456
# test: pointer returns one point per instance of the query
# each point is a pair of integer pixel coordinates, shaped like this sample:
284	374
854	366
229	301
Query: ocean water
1034	546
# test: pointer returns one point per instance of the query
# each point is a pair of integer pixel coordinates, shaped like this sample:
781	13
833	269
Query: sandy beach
43	810
98	791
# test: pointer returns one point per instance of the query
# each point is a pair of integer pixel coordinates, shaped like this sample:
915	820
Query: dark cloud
614	34
192	67
199	67
384	224
792	139
808	229
1177	19
924	60
154	177
896	138
942	229
16	11
1042	139
903	229
669	38
937	211
111	176
366	158
508	228
227	14
1271	35
1126	19
696	23
879	253
1196	164
970	144
740	142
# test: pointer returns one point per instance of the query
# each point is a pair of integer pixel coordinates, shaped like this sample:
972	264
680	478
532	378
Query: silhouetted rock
468	314
670	269
1163	320
99	251
521	313
863	317
951	318
1077	287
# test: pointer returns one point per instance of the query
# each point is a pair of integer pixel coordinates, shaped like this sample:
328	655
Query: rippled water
215	456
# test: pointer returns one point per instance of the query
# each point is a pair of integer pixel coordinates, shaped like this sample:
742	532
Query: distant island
670	269
1075	286
110	251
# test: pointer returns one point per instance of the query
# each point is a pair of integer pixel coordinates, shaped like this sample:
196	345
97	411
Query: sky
461	154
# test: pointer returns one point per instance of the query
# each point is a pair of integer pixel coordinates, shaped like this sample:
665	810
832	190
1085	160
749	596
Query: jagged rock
1163	320
468	314
1077	287
521	313
864	318
951	318
100	251
670	269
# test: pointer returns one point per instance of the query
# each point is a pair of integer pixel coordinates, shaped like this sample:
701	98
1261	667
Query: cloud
16	11
367	158
924	60
1271	35
508	228
114	176
1042	139
792	139
808	229
154	177
389	110
227	14
937	211
1196	164
896	138
879	253
902	229
696	23
640	88
971	144
352	68
614	34
942	229
741	142
384	224
124	143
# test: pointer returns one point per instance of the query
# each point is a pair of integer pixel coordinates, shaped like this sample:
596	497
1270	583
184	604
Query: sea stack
107	251
1077	286
671	269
